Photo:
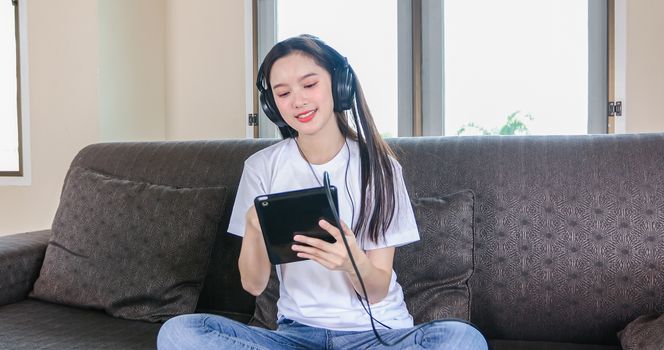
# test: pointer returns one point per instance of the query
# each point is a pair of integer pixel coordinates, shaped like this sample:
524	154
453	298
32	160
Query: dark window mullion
18	89
18	96
598	67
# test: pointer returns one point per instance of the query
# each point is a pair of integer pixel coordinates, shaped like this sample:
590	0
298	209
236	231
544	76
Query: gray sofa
568	237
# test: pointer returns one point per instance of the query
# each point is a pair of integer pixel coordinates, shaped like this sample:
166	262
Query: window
10	119
454	67
519	67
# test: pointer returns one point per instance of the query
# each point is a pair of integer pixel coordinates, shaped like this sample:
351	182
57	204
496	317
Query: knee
459	335
177	330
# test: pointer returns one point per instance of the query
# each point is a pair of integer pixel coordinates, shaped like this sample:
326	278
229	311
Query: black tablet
286	214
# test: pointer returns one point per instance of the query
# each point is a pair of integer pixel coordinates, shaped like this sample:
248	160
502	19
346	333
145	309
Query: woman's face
302	91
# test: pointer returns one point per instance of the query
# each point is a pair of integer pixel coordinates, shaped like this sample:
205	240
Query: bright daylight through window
9	138
510	66
368	41
516	67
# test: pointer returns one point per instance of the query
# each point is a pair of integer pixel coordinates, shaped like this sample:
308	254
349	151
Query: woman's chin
305	132
308	130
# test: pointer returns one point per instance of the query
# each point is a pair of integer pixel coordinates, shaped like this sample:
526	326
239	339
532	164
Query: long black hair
377	171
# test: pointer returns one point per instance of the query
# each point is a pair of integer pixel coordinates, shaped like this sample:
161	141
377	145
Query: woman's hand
333	256
375	266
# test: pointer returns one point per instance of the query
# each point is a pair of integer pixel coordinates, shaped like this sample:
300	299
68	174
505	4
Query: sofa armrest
21	257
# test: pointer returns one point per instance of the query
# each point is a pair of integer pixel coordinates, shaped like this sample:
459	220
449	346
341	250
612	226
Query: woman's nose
301	99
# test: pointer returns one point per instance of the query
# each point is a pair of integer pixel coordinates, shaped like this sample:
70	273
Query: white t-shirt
310	293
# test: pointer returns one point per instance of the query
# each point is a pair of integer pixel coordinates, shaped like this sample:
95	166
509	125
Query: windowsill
15	181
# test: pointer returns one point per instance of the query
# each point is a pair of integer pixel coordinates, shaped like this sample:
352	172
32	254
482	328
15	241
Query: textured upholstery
438	287
21	257
537	345
136	250
644	333
189	164
569	245
34	324
265	313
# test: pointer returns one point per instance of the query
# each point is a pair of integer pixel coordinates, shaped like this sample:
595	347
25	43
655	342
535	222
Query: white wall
645	67
63	63
170	70
104	70
131	70
205	67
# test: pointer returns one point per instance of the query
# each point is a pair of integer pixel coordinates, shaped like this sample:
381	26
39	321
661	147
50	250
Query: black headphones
343	87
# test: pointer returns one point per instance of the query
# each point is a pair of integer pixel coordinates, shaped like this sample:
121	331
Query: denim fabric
205	331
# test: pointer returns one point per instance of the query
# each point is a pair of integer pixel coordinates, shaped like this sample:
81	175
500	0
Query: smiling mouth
306	116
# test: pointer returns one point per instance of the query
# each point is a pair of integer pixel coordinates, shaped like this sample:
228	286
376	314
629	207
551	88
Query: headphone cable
328	193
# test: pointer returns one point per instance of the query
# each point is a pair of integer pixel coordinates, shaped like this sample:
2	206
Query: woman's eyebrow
302	78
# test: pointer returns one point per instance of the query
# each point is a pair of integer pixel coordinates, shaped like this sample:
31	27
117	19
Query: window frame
22	177
598	66
420	31
267	37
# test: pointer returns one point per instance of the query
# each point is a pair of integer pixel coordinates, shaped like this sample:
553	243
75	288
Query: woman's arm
375	266
253	263
376	273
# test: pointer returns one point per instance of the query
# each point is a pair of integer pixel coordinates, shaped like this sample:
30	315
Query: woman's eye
283	94
310	85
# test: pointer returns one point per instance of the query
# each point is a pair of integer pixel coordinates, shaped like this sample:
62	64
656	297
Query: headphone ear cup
343	83
271	111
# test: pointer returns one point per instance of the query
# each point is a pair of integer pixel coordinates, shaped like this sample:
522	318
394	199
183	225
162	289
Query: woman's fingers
319	243
330	259
311	251
331	255
330	228
334	231
347	229
314	242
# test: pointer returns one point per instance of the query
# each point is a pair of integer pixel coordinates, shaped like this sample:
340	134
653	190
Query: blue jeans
204	331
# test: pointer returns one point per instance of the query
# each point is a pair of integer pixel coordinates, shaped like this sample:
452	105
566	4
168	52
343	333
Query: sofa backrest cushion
434	271
136	250
189	164
569	230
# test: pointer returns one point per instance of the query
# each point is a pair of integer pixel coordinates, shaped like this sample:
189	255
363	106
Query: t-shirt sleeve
402	229
249	188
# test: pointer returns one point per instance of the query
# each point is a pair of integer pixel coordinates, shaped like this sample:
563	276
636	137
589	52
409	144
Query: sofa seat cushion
539	345
134	249
33	324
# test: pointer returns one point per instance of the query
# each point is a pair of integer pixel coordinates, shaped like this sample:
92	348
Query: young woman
309	90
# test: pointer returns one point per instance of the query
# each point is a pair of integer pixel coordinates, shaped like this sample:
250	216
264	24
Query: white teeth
305	115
